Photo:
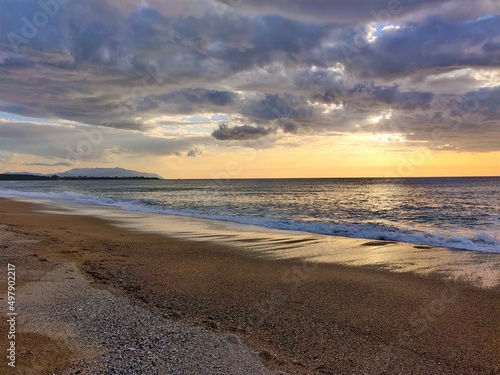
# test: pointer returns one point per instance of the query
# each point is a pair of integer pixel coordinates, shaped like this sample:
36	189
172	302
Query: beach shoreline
300	317
478	267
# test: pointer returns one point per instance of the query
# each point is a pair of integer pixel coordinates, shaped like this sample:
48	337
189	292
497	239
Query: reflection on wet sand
480	268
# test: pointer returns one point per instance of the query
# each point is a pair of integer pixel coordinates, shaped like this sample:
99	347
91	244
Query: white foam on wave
479	241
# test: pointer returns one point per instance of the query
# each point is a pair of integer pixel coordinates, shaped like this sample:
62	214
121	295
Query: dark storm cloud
191	100
105	73
273	34
289	125
392	96
484	102
431	45
323	85
281	66
273	107
240	133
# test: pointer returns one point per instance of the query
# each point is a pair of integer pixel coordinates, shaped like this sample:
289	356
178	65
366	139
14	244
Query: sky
251	88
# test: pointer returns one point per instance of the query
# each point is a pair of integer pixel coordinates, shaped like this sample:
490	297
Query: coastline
468	233
300	316
478	267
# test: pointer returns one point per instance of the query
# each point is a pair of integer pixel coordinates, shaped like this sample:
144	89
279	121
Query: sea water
461	213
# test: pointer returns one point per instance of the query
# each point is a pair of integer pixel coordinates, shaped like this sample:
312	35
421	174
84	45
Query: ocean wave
478	241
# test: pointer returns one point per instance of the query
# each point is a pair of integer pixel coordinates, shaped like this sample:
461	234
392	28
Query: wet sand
300	317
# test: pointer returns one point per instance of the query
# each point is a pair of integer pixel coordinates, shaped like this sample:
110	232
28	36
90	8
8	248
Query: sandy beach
97	298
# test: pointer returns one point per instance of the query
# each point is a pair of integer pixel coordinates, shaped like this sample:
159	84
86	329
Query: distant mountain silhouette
24	173
106	172
81	174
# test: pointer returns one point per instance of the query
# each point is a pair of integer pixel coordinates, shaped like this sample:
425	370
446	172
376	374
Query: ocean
461	213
